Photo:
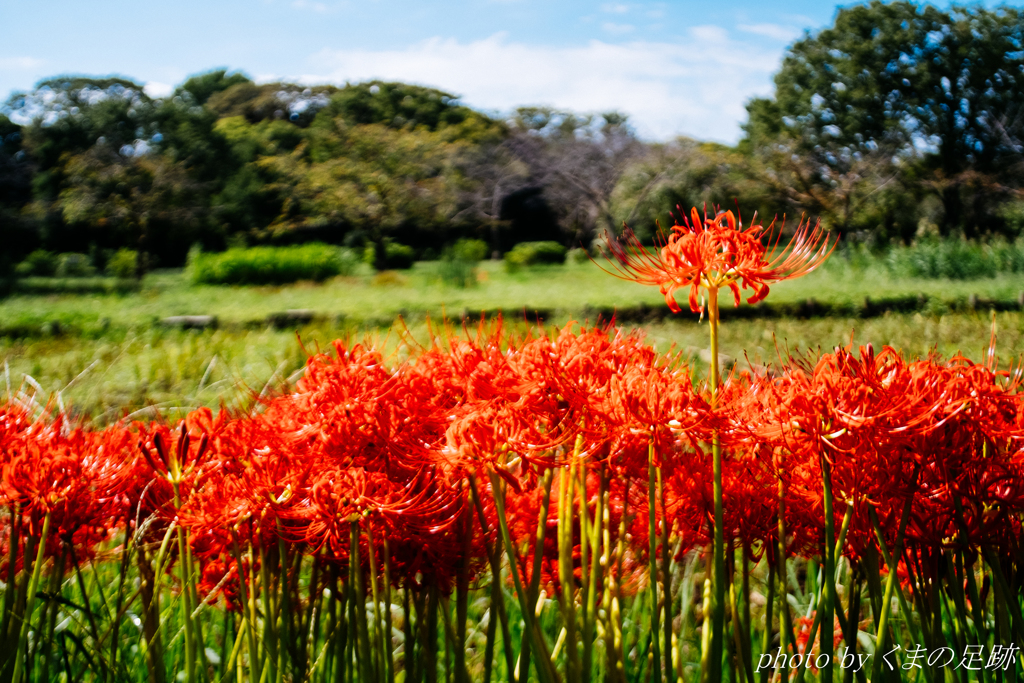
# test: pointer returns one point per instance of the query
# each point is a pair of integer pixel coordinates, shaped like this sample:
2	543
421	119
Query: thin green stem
881	638
545	671
829	575
718	584
666	578
30	600
652	561
566	576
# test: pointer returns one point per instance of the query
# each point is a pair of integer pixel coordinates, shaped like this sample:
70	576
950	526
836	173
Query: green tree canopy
915	85
399	105
271	101
202	86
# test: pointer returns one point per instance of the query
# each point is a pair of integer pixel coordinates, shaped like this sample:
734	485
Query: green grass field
111	358
375	300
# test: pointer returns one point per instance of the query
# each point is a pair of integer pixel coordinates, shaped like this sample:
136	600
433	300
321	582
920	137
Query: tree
16	172
399	105
68	115
144	201
578	161
902	85
271	101
202	86
370	180
670	178
495	174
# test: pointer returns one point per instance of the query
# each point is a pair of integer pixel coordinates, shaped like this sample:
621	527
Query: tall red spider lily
656	398
711	254
75	476
174	454
716	252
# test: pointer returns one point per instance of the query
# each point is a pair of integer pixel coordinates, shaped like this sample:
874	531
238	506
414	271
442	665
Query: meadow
170	542
109	354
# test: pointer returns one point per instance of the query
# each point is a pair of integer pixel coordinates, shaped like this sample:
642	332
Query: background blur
182	189
419	124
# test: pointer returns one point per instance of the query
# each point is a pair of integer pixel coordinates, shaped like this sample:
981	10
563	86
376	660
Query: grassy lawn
375	300
111	359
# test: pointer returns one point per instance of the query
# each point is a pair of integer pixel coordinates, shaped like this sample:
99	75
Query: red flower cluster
399	453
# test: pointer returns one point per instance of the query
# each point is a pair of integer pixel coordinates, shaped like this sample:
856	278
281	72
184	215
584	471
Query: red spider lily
803	634
169	462
938	433
219	571
656	398
718	252
76	476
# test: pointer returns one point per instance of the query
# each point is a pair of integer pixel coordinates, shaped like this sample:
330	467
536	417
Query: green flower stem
820	613
232	659
380	644
904	607
12	558
616	590
387	612
462	599
714	671
492	631
49	616
533	591
90	617
186	595
248	603
358	609
270	632
566	577
829	577
1010	601
545	671
748	636
666	578
30	600
786	638
652	562
597	561
283	604
766	636
881	638
497	596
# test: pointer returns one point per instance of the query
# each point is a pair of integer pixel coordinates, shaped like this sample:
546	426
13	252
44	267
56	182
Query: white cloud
614	8
696	86
776	31
19	63
617	29
157	89
710	34
318	7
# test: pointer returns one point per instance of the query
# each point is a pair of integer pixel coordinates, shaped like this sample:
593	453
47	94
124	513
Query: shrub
74	265
534	253
472	251
122	264
271	265
40	263
957	259
398	256
577	256
458	262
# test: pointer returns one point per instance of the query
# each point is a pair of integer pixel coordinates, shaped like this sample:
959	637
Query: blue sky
677	68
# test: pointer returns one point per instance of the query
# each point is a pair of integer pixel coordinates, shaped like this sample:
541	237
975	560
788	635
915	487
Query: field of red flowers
568	505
